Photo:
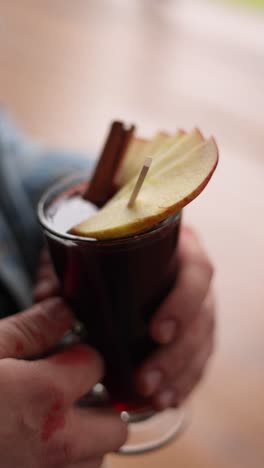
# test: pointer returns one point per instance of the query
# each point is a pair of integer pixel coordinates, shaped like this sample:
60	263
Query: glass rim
81	176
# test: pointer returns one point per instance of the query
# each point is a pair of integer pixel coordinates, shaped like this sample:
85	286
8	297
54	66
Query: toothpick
140	181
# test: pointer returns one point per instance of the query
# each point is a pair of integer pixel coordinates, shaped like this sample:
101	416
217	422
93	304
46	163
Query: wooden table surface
68	68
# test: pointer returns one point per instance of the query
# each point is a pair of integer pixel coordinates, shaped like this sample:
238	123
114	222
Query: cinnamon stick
100	187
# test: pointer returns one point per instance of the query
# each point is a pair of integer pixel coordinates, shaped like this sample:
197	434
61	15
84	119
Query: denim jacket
26	170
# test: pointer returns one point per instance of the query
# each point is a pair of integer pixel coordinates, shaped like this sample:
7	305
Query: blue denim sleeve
47	167
35	166
26	170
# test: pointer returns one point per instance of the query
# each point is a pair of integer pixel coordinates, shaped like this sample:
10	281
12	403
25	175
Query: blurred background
69	68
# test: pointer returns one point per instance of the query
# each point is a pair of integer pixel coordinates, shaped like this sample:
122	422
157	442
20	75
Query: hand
184	326
41	426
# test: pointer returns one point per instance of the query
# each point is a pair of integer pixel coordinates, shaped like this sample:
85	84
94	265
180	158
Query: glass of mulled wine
114	287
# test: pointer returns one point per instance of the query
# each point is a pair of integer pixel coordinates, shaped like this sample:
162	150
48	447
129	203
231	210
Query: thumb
36	330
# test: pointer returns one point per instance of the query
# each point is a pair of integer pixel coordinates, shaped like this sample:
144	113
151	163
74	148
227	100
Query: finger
44	258
92	433
45	263
45	289
44	272
185	382
72	372
193	281
35	330
169	360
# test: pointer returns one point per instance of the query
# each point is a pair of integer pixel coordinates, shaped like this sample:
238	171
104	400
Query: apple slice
134	151
133	160
139	149
176	148
161	195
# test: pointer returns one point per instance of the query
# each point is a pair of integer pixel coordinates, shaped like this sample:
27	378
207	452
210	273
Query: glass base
148	430
154	432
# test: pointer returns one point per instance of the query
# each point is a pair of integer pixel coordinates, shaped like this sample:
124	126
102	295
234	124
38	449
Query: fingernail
152	381
166	331
165	399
